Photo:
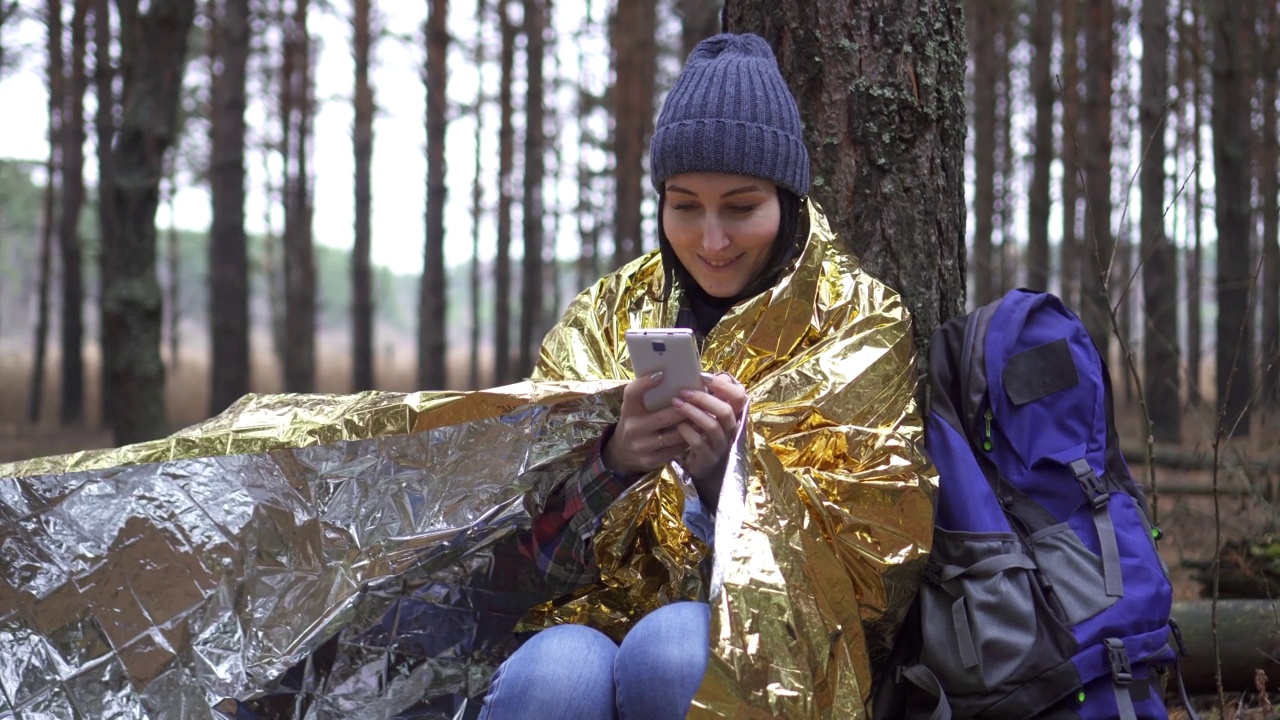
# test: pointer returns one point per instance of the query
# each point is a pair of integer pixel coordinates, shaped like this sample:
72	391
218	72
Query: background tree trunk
53	25
699	20
104	127
432	373
506	160
228	251
1160	357
1269	188
479	57
635	57
154	57
980	27
1232	174
1099	244
361	269
1042	89
71	410
1069	254
532	317
885	124
1195	262
299	254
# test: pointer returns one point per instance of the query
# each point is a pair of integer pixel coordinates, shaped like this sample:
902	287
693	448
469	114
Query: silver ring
662	438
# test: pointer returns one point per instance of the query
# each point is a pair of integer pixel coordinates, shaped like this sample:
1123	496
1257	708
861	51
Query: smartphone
671	350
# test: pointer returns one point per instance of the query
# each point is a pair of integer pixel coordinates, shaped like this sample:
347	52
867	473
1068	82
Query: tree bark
1195	262
478	58
71	409
432	308
1160	356
1232	172
104	126
154	47
1099	244
1246	633
361	267
699	20
635	57
53	24
1042	89
299	258
506	160
1269	187
881	96
980	27
532	317
1069	254
228	251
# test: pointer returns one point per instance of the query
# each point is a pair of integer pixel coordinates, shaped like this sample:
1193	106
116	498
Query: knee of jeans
574	651
677	632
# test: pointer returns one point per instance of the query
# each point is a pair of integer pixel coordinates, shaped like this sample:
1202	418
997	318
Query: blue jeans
573	671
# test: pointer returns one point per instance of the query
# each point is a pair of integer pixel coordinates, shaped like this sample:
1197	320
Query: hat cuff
729	146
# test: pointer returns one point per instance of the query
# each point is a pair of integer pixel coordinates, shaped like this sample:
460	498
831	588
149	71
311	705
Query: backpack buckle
1092	485
1118	657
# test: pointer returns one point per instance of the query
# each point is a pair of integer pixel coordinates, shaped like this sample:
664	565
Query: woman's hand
710	422
643	440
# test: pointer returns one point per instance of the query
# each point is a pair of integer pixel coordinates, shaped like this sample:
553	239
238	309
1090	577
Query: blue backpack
1044	595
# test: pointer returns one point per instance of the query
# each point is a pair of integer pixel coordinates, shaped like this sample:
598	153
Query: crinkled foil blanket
347	578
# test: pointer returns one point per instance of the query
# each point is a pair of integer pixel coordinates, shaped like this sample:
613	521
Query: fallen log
1248	639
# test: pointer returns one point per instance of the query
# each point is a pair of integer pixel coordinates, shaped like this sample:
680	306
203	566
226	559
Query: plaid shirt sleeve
561	538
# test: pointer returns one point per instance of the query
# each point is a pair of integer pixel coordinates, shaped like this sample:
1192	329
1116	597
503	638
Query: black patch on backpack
1040	372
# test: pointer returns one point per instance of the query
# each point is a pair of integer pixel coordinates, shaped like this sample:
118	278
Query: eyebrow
735	191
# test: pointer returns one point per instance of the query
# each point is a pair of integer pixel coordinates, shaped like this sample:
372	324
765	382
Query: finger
711	412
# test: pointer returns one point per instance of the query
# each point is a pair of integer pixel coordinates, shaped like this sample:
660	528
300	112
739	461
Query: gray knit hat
730	111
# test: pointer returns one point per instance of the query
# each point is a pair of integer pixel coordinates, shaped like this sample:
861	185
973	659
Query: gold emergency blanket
317	556
818	552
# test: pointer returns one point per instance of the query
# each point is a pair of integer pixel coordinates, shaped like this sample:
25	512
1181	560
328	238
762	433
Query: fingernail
707	377
656	376
677	402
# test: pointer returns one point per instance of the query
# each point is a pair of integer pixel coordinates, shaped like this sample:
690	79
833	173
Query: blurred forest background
1121	153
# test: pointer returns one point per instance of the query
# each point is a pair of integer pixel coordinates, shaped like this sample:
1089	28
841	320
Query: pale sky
399	164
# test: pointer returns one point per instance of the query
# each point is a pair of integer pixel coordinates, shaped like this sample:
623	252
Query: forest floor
1247	508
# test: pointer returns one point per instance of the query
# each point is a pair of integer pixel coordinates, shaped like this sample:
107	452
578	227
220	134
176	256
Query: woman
785	318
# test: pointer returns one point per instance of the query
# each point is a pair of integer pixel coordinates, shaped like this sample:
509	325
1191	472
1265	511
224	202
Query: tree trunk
980	26
173	267
1232	193
71	410
228	251
53	24
299	260
1245	631
699	20
432	308
1042	89
1006	253
635	57
361	268
1160	356
1195	261
478	58
506	151
154	47
1269	188
532	317
1069	253
886	131
104	126
1099	245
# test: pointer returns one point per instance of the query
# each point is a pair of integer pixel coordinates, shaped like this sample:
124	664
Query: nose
713	234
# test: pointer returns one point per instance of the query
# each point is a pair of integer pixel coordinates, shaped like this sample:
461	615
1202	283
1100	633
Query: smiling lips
717	264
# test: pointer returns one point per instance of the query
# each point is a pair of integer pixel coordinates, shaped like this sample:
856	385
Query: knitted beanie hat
730	111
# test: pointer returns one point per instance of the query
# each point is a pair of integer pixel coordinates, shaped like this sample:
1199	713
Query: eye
743	209
684	206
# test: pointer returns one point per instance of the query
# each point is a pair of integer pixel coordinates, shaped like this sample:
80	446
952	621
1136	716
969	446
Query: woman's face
721	227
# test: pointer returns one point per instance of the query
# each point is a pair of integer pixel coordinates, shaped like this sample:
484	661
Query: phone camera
659	346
